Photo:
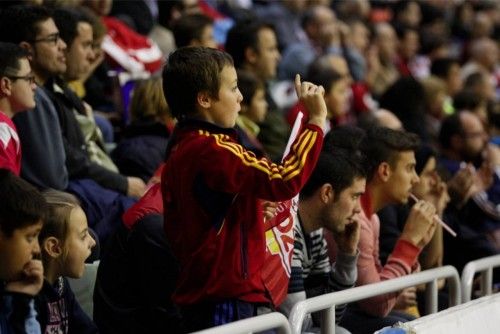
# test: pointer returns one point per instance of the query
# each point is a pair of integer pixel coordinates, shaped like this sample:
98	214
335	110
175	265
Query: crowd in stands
156	137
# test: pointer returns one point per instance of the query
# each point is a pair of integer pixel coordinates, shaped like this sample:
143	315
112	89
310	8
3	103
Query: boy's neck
6	108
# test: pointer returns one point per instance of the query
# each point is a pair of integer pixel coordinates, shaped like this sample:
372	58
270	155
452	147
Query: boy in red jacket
212	188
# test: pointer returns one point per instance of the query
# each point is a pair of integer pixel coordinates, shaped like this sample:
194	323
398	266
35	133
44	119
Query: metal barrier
326	303
485	267
251	325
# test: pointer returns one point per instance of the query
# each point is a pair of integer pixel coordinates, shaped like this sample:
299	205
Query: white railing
485	267
251	325
326	303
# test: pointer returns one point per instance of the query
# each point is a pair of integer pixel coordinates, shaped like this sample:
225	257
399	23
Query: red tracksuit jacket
213	219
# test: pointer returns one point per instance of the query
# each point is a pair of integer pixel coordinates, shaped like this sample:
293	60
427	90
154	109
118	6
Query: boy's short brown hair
189	71
21	204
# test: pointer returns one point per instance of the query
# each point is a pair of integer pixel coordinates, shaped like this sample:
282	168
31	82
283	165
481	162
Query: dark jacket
78	161
17	313
137	274
142	149
59	311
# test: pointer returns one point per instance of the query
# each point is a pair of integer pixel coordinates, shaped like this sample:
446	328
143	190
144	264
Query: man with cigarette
390	156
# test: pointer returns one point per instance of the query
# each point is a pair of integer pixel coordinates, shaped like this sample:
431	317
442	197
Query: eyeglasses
30	78
52	39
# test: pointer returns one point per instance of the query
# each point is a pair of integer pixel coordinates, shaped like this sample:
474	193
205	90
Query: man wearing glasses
17	93
44	158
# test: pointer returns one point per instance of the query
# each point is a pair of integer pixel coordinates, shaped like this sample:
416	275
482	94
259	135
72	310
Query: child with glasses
17	93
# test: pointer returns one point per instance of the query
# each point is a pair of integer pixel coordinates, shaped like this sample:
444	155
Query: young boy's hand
31	280
313	97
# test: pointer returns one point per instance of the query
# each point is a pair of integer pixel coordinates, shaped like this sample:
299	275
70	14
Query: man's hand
313	98
347	241
420	225
31	280
136	187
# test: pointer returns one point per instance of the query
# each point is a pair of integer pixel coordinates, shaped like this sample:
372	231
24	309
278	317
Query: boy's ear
28	47
204	100
327	194
53	247
384	171
5	86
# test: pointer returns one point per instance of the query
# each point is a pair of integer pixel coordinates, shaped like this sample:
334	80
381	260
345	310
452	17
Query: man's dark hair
67	21
451	126
339	163
10	56
384	145
243	35
467	100
441	66
20	23
21	204
190	27
189	71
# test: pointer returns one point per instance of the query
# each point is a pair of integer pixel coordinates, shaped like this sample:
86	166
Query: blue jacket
17	313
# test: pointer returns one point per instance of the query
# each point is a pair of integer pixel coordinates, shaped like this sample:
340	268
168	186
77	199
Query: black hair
22	204
244	35
189	71
190	27
467	100
20	23
339	163
10	54
67	21
451	126
441	66
384	145
320	74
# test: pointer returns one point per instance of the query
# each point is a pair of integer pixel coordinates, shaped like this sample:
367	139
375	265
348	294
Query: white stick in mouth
439	220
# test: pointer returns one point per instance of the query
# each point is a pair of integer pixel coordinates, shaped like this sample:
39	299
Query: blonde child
65	245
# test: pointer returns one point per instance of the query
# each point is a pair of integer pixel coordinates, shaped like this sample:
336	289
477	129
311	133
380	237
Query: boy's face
258	106
79	244
402	177
23	89
17	250
345	207
224	111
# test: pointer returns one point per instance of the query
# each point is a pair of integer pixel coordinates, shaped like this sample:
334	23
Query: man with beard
329	200
472	212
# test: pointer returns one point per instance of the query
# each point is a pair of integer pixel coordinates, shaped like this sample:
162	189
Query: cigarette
437	219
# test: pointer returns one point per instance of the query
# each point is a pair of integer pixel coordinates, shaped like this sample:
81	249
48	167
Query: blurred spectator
286	16
194	30
254	48
144	141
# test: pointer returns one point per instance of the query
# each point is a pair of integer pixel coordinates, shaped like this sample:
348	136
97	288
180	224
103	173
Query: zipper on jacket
243	250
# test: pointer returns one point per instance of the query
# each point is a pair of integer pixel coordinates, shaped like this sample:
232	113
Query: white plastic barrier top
251	325
478	316
326	303
485	266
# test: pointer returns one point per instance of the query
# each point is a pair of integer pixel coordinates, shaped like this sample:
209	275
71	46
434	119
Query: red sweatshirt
213	218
